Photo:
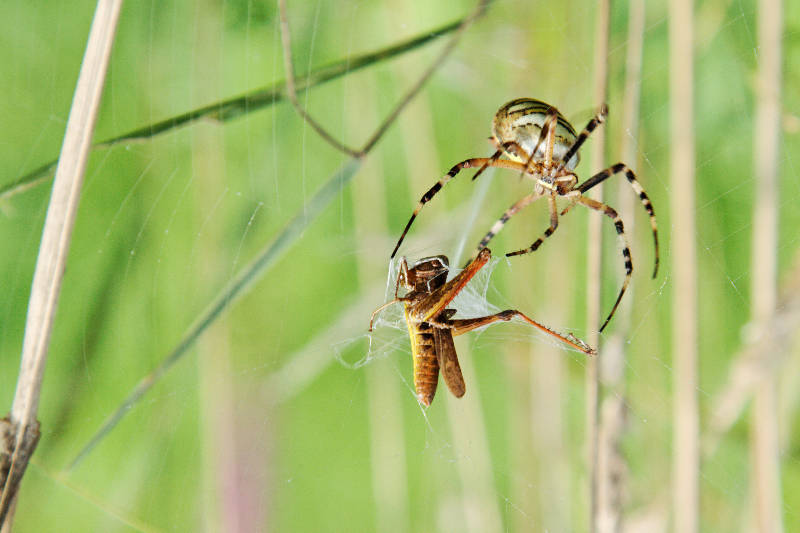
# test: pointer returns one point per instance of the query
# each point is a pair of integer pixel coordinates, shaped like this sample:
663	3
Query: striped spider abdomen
517	126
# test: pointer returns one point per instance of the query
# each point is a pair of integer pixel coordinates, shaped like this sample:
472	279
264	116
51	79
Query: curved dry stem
686	419
594	256
612	463
765	484
291	92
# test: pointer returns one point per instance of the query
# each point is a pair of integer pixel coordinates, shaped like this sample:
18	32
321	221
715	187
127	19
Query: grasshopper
432	327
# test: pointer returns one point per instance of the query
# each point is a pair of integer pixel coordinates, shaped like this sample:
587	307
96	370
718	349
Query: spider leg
598	119
494	157
573	200
551	200
427	309
547	136
381	308
626	251
637	187
510	212
462	326
402	275
501	148
469	163
550	136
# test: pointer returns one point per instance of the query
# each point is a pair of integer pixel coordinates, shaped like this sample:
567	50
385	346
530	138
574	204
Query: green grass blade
236	107
237	287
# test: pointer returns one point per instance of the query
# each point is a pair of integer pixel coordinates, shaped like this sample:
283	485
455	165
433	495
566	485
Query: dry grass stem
765	355
613	468
54	247
548	385
291	92
290	84
594	262
481	509
686	459
765	455
387	450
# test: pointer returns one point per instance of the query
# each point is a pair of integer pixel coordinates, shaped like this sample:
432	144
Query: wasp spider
541	144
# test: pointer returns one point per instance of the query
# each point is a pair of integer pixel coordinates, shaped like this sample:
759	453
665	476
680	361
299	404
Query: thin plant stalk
686	458
763	356
594	263
765	454
481	509
54	249
612	465
385	397
234	486
548	387
291	92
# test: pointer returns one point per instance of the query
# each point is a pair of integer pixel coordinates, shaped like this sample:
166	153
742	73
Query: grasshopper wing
448	361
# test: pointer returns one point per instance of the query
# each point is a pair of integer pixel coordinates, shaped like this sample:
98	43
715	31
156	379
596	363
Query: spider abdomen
517	126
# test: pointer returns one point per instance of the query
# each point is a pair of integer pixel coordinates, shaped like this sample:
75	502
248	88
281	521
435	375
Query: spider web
286	403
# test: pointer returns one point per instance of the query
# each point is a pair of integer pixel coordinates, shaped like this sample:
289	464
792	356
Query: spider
541	144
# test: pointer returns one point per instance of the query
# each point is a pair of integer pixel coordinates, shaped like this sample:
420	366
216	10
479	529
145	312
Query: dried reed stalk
235	479
548	426
763	356
686	459
595	261
385	398
481	507
21	429
612	476
765	455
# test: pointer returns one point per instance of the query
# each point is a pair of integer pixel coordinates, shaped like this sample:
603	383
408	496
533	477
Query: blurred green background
286	416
